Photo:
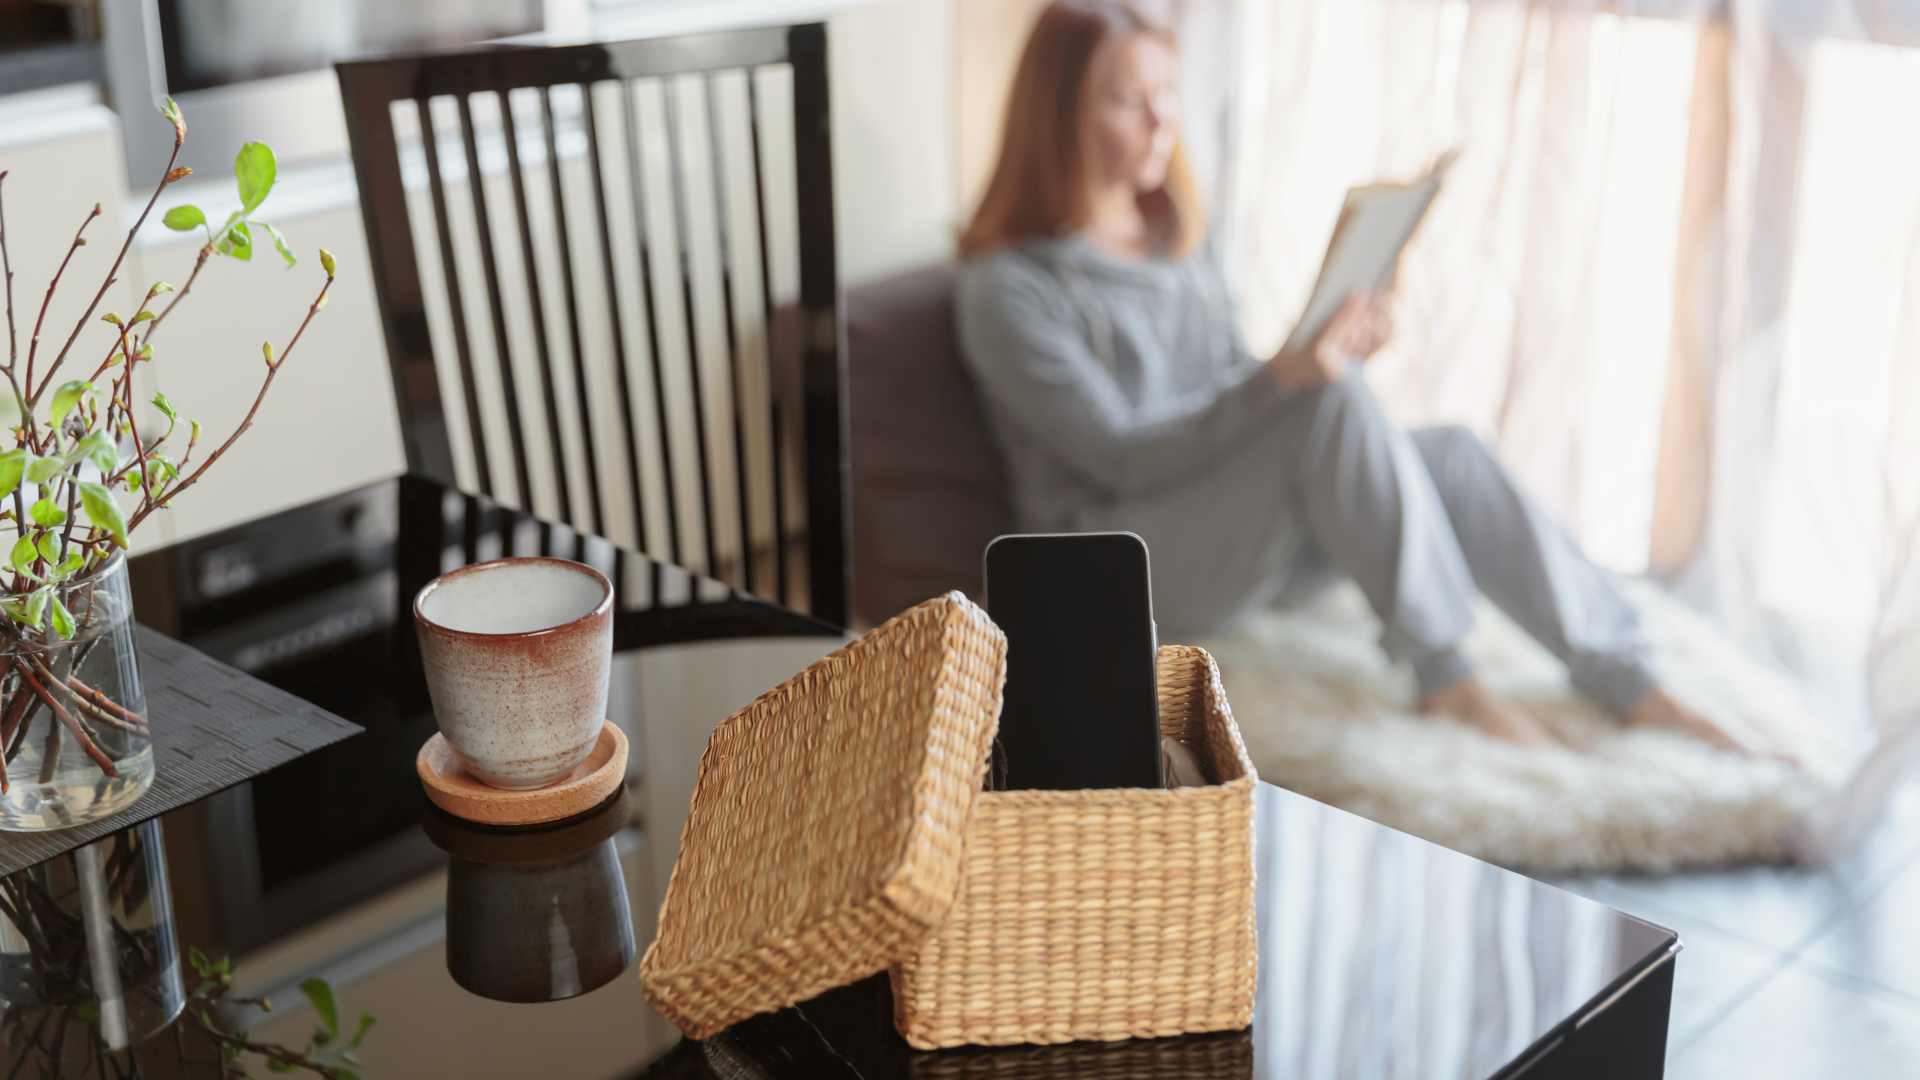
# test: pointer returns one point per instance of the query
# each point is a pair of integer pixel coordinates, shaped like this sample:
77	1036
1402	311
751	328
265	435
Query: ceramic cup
516	653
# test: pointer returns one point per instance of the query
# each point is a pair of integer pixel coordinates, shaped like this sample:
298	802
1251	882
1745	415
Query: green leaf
69	395
171	112
112	319
13	465
37	607
62	620
266	351
326	261
275	1065
166	409
159	471
98	502
253	171
99	449
279	242
360	1031
47	514
237	242
195	431
184	217
321	995
42	469
49	547
23	554
72	563
16	610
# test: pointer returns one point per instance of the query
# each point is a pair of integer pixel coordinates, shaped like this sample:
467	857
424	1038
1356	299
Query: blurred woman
1104	341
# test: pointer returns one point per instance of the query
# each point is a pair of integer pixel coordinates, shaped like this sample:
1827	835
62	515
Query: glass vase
73	715
89	957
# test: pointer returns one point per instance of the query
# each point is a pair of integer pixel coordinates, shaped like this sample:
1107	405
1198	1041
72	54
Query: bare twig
102	701
33	343
66	718
6	263
168	177
273	369
206	252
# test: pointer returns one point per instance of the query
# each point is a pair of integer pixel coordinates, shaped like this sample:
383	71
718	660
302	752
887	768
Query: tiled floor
1791	973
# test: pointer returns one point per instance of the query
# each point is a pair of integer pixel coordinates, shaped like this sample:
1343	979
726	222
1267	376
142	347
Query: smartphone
1080	709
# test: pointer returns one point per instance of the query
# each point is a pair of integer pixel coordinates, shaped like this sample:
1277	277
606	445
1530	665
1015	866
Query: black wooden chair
619	324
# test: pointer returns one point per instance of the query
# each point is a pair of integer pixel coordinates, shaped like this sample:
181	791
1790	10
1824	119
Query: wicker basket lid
825	835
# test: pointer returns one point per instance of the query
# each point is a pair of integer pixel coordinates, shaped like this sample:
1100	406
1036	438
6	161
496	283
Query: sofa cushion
929	486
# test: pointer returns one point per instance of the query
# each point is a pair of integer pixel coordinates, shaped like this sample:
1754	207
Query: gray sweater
1108	381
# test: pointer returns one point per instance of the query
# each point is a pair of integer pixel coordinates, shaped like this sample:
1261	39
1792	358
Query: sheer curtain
1674	277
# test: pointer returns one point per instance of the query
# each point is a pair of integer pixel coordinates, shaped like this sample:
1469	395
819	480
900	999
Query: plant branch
206	252
66	718
169	176
6	263
33	343
273	369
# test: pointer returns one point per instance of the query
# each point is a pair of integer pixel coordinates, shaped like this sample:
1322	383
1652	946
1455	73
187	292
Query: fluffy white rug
1324	713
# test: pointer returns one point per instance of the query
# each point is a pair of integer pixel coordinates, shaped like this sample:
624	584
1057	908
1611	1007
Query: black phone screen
1080	708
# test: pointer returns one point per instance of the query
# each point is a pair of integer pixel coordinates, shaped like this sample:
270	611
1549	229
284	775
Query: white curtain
1674	277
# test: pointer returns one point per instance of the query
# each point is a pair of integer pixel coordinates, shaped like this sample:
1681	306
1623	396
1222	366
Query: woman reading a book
1104	342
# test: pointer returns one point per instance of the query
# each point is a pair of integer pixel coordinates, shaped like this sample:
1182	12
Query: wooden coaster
453	790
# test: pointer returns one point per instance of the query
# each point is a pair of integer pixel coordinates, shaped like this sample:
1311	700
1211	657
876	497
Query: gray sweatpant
1422	520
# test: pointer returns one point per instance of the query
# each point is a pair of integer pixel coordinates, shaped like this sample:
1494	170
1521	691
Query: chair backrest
579	252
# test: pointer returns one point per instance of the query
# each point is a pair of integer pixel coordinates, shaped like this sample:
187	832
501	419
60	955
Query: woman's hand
1362	325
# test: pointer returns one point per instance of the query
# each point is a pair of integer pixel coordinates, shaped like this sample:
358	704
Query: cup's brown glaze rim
599	611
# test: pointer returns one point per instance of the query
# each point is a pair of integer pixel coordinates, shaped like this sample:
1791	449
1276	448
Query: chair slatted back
606	276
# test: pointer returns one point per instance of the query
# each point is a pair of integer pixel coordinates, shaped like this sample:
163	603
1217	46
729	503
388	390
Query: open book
1375	223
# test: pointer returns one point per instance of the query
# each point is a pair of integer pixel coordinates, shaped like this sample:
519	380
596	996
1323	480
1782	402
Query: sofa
929	488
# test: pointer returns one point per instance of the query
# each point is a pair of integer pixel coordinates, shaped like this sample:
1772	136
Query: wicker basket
824	838
1101	914
1223	1056
838	830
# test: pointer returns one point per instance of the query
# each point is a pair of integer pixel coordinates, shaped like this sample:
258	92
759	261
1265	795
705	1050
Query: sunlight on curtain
1674	278
1534	300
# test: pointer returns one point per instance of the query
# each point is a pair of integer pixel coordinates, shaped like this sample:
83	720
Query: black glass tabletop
490	952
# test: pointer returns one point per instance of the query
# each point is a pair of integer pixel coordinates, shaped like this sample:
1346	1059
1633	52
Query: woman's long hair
1040	185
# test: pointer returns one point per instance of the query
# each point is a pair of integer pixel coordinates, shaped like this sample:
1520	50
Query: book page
1375	225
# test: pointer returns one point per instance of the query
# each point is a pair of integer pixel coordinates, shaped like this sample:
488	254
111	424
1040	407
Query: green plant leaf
62	620
49	547
97	448
279	242
72	563
326	261
253	172
13	466
237	242
184	217
16	610
275	1065
47	514
360	1031
159	470
69	395
195	958
166	408
42	469
321	995
37	607
23	553
98	502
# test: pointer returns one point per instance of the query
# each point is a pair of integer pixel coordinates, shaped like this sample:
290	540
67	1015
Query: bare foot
1470	700
1657	708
